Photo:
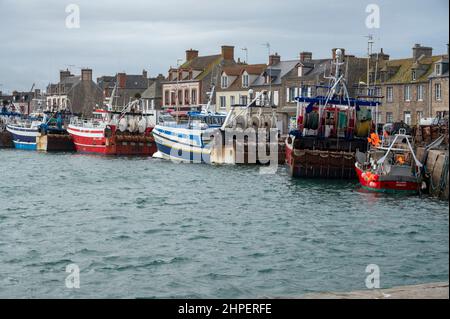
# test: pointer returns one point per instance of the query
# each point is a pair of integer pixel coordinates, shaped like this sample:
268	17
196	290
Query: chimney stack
228	52
121	80
64	74
305	56
191	54
144	73
419	50
86	75
274	59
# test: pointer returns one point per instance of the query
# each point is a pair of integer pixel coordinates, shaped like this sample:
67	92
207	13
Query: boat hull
181	144
305	163
23	138
94	141
387	186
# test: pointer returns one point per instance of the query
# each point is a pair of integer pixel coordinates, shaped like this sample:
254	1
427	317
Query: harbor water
148	228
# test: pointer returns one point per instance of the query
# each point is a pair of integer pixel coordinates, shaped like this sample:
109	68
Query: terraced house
78	94
235	83
411	88
187	86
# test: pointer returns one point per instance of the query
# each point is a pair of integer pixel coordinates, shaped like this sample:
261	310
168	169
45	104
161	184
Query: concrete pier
426	291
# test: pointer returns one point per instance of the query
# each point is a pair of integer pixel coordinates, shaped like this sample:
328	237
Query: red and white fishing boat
390	166
116	132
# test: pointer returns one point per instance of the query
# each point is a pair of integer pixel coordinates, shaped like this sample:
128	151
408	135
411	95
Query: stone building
129	87
188	85
152	97
410	88
77	94
439	103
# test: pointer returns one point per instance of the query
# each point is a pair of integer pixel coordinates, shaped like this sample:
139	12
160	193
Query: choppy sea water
150	228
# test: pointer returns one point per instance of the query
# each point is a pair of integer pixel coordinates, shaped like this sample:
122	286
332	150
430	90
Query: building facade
129	87
234	85
188	85
410	89
77	94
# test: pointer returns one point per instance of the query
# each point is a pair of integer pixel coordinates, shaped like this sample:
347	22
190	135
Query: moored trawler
330	129
390	166
203	139
113	133
116	131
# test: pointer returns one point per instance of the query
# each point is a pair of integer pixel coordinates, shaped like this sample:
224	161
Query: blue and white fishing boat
24	134
191	141
201	139
26	131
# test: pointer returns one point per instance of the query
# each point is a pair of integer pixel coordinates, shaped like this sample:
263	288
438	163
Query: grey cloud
135	34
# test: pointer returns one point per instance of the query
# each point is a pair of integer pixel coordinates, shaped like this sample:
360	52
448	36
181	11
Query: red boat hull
387	186
88	140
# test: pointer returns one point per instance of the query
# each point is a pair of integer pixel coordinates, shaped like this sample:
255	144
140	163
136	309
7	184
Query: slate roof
277	71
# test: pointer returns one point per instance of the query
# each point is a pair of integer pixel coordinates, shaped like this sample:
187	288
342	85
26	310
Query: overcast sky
131	35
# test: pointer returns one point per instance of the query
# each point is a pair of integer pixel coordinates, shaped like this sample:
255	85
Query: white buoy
123	124
142	125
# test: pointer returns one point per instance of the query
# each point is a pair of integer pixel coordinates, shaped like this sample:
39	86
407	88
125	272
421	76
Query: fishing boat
24	133
202	139
390	166
190	141
329	130
116	130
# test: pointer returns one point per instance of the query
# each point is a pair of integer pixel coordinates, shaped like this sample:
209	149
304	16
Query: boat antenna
267	45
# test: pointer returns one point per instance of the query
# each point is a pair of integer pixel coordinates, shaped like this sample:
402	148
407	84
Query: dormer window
224	81
438	69
300	71
245	81
414	75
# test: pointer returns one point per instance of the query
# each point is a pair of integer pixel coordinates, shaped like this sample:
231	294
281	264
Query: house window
438	69
232	100
291	94
223	102
438	91
194	96
407	93
309	92
186	97
407	118
414	75
276	98
420	93
224	82
389	117
180	97
166	97
245	81
390	94
243	99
